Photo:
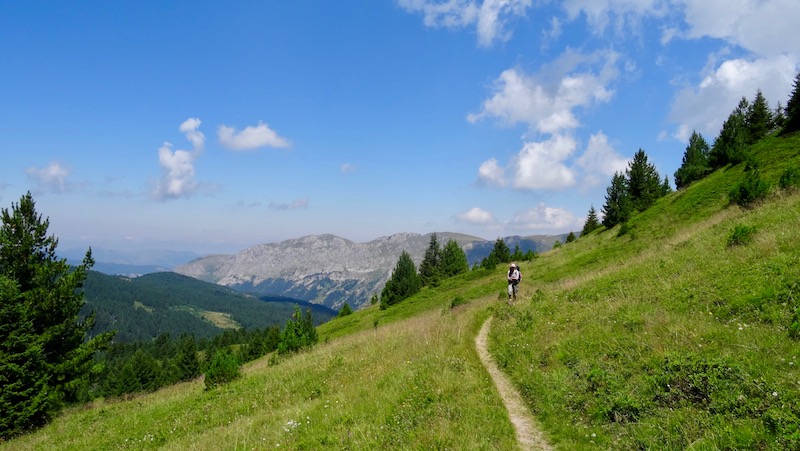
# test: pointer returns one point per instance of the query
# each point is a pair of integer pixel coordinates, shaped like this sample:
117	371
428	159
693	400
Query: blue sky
214	126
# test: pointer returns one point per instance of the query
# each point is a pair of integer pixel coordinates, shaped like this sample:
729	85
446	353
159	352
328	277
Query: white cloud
766	28
704	107
250	138
490	173
476	216
600	161
51	178
541	165
294	205
622	15
177	179
546	219
545	101
348	168
488	16
190	128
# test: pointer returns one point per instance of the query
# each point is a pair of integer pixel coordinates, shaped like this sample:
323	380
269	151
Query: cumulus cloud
765	28
177	179
543	218
488	16
541	165
545	101
600	161
250	138
51	178
705	106
490	173
476	216
296	204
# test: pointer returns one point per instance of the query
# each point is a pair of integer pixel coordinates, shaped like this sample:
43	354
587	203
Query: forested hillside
144	307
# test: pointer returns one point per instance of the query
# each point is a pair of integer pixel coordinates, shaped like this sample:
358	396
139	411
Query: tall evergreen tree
695	162
500	254
187	362
731	146
618	207
454	260
666	188
42	293
758	119
430	267
405	282
778	117
792	123
592	223
571	237
644	183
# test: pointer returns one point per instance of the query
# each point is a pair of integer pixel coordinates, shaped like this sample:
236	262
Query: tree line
640	185
48	360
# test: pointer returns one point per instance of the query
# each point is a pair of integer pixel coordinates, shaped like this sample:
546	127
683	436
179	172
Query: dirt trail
528	435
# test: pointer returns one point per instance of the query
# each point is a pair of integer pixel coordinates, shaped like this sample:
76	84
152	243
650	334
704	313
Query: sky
213	126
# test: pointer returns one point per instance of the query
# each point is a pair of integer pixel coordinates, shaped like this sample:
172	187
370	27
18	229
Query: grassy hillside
144	307
663	338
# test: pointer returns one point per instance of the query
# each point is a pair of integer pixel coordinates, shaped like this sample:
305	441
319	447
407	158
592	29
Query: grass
677	339
680	334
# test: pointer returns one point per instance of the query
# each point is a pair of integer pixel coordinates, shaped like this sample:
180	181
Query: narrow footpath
528	434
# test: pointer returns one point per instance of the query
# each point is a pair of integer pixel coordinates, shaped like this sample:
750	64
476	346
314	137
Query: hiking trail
528	434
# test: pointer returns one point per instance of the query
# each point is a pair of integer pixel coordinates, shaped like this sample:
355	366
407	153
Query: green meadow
682	333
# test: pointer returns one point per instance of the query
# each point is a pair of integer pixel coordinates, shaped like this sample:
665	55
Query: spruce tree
618	207
592	223
405	282
644	183
571	237
731	146
43	329
454	260
695	162
758	118
430	268
792	123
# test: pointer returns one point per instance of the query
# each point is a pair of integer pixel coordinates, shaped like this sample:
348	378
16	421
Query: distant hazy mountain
130	263
329	270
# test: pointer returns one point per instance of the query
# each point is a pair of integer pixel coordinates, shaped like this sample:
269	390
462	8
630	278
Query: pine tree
644	183
430	268
187	362
778	117
695	162
731	146
758	118
618	207
345	310
592	223
571	237
405	282
666	188
43	329
454	260
792	123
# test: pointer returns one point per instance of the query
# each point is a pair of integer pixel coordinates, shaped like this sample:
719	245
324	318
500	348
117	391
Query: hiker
514	277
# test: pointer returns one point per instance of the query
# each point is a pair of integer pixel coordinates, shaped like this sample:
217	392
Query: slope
672	336
665	337
144	307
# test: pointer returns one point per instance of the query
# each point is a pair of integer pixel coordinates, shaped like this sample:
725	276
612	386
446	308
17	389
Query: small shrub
794	327
751	189
624	229
346	310
741	235
458	300
790	178
224	368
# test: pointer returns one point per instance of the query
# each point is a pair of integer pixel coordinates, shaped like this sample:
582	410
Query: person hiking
514	277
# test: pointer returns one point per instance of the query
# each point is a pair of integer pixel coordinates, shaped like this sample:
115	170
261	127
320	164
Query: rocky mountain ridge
330	270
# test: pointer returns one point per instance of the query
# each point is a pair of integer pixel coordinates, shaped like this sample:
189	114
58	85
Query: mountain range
330	270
